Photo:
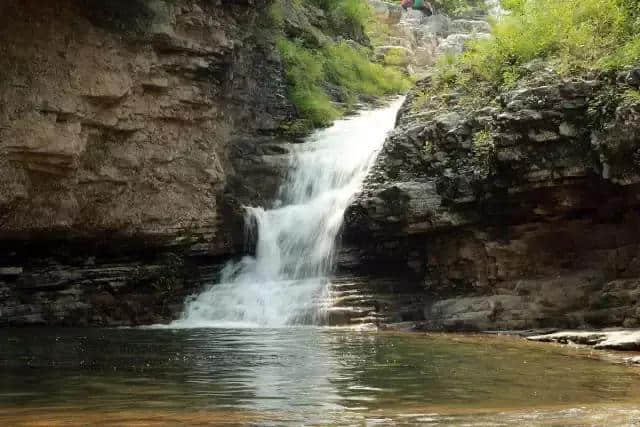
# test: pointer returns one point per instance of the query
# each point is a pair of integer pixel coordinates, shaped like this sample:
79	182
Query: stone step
343	292
369	319
351	309
338	316
364	304
353	297
345	285
350	302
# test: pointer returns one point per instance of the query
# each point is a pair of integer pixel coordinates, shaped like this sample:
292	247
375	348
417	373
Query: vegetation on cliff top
325	47
572	36
340	69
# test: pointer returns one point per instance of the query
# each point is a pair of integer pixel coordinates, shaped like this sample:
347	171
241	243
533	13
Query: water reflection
296	374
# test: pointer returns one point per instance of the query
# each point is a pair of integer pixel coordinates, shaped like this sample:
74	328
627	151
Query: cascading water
283	283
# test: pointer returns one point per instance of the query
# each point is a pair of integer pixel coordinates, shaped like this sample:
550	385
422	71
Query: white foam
295	242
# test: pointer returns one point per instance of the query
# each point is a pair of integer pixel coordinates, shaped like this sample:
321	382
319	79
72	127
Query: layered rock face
123	127
521	214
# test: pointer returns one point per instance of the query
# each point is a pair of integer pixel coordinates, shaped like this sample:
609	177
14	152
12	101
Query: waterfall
282	284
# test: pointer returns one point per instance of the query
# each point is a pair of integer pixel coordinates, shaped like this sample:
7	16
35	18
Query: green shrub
339	65
396	57
351	68
327	67
353	19
350	18
460	7
276	14
627	54
575	32
514	6
305	74
447	70
484	151
631	97
573	35
353	13
455	8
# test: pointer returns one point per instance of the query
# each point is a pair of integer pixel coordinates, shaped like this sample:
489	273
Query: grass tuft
343	66
305	74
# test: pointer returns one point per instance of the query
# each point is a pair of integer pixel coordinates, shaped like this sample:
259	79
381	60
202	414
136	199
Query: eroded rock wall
123	127
107	130
521	214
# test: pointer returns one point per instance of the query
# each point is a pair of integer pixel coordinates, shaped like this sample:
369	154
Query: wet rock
567	129
632	78
10	271
608	340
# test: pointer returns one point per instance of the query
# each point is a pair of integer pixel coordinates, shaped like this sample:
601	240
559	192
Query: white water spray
282	284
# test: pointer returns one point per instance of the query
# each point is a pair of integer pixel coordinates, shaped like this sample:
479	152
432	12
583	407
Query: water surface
300	375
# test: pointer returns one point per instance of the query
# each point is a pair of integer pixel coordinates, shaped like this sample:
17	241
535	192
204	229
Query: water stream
284	283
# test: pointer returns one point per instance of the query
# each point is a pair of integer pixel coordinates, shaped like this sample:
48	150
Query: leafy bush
305	74
627	54
350	18
483	148
514	6
631	97
276	15
397	57
339	65
460	7
456	8
351	68
352	13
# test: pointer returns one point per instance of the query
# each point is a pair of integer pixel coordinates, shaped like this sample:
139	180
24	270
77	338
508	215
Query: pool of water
301	375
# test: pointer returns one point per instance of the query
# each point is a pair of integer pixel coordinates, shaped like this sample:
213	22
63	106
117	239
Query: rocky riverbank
625	339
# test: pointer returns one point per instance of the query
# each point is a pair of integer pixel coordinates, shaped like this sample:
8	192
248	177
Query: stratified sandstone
121	120
123	127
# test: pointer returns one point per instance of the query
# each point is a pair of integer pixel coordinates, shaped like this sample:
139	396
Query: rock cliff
123	128
513	213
